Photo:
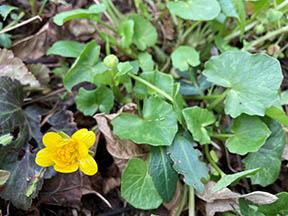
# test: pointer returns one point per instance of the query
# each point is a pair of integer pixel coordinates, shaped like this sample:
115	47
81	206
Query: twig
21	24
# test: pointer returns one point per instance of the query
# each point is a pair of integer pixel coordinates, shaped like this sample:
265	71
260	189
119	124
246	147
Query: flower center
68	153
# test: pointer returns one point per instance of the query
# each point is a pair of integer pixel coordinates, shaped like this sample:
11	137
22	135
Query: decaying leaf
227	200
119	149
41	72
14	68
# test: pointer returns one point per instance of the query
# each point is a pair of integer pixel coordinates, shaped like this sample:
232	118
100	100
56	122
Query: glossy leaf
268	157
90	101
252	85
195	9
83	68
278	114
185	56
137	186
157	126
226	180
164	176
186	162
197	119
249	134
66	48
90	13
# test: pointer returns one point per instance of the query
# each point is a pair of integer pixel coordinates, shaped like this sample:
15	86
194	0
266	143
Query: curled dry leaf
227	200
14	68
285	153
119	149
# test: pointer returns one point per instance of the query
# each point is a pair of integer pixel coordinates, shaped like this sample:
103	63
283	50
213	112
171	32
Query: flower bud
111	61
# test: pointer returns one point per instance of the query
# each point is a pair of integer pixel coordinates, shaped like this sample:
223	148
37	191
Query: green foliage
268	157
186	162
66	48
5	10
249	134
126	31
197	119
89	101
137	186
185	56
253	86
91	13
164	176
226	180
276	208
157	126
195	9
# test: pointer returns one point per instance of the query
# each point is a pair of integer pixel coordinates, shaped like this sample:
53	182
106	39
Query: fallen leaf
285	153
14	68
226	200
41	72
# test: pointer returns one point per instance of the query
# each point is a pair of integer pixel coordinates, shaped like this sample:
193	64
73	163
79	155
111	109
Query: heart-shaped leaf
195	9
89	101
137	186
226	180
83	68
268	157
252	80
157	126
164	176
249	134
185	56
186	162
197	119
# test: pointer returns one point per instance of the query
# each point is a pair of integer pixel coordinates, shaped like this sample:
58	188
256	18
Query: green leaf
91	13
157	126
137	186
83	68
197	119
268	157
247	208
145	34
186	162
164	176
4	176
235	9
277	208
284	97
278	114
5	40
146	62
90	101
5	139
66	48
185	56
252	80
249	134
195	88
226	180
195	9
124	68
5	10
162	81
126	31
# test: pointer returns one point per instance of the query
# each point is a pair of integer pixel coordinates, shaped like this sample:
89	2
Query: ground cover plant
143	107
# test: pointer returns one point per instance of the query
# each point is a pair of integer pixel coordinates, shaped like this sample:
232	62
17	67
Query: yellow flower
67	154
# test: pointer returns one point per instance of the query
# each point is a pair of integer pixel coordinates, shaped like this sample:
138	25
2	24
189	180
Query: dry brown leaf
285	153
34	46
226	200
14	68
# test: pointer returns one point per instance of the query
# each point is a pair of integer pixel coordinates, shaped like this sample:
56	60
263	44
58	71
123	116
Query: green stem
148	84
218	100
118	94
186	33
115	10
203	97
221	136
267	36
212	162
191	201
107	26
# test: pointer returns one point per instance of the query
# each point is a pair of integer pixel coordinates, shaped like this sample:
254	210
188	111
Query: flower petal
83	136
88	165
43	158
67	168
52	139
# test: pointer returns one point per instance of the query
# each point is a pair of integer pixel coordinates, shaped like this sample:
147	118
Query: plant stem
191	201
148	84
212	162
203	97
218	100
221	136
266	37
